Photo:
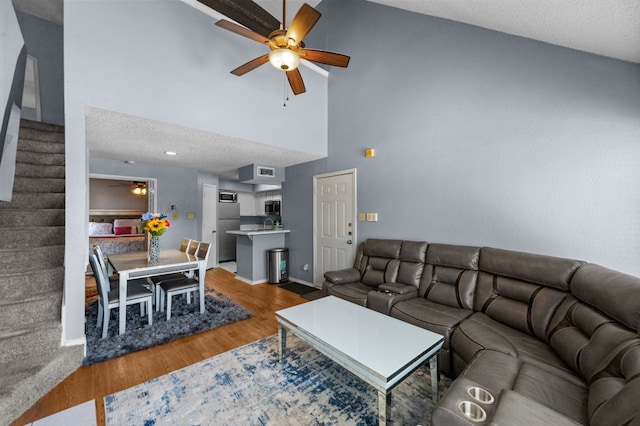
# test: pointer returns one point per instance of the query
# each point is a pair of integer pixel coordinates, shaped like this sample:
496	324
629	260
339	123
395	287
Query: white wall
482	138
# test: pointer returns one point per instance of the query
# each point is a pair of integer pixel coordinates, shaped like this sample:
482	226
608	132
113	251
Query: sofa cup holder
472	411
480	395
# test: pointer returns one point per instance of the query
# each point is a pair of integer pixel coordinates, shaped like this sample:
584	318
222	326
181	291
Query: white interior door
210	222
334	222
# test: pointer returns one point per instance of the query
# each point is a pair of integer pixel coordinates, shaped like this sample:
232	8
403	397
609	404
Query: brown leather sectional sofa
554	341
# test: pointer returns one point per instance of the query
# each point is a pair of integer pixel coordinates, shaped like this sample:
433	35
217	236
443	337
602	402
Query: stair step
34	378
26	342
19	238
42	126
36	184
44	147
32	200
29	157
25	284
38	308
16	218
36	170
38	134
31	259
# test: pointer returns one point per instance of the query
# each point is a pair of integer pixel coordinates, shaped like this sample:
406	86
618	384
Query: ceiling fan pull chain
285	95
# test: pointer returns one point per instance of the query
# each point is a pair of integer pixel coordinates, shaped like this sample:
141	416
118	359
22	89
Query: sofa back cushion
410	263
595	331
450	275
376	265
522	290
611	292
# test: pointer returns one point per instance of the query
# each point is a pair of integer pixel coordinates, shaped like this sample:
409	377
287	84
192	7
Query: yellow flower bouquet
155	223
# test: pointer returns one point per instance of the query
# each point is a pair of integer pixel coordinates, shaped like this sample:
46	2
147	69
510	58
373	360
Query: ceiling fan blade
247	13
295	81
302	23
240	30
324	57
251	65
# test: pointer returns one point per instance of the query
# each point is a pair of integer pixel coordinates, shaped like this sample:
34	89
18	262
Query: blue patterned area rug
248	386
186	320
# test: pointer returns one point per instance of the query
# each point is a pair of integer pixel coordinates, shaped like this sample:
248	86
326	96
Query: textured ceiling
605	27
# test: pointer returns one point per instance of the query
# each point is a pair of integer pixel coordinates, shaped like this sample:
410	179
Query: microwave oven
272	207
227	197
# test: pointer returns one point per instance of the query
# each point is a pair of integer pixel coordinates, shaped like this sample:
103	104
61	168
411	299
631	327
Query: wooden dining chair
168	289
110	299
184	245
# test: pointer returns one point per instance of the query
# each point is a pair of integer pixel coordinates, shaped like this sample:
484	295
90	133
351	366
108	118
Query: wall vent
266	172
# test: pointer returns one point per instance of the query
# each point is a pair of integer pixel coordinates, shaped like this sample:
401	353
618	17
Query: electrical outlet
372	217
361	217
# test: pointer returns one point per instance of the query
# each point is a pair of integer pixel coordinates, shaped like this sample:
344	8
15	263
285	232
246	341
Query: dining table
135	265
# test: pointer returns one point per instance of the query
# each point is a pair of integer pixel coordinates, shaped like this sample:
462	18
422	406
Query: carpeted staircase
32	360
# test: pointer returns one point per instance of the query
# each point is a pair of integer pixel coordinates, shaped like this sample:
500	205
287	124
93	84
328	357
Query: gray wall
44	42
175	186
481	138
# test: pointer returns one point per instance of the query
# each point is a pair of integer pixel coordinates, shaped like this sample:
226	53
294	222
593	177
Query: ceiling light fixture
170	153
139	188
284	59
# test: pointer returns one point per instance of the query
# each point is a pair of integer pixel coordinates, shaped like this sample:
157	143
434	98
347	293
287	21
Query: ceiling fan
136	188
286	44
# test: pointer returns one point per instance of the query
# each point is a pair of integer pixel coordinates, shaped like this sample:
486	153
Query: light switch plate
372	217
361	217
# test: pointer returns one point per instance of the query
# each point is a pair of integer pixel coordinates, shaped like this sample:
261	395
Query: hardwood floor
99	380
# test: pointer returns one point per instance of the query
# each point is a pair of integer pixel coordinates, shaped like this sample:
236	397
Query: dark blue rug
185	321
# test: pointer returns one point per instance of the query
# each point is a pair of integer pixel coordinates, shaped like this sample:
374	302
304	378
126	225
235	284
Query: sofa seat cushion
353	292
433	316
557	394
480	332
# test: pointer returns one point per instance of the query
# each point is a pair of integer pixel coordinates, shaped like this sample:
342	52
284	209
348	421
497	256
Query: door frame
354	194
213	255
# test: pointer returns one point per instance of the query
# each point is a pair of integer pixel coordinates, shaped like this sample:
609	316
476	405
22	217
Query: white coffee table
379	349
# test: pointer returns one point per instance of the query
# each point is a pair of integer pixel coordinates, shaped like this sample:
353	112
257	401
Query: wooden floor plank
98	380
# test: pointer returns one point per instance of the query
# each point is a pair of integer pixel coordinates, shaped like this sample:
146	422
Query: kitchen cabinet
248	204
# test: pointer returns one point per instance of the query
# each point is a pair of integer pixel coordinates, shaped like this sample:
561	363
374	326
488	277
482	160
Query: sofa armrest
343	276
398	288
383	300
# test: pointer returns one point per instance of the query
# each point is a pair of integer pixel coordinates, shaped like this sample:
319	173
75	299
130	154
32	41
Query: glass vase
154	249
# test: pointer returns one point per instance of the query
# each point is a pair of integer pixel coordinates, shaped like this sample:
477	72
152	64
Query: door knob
349	242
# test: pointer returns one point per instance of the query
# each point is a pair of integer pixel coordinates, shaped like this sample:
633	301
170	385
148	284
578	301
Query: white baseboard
244	280
298	280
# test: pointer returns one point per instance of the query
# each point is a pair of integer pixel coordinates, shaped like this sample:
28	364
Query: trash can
277	270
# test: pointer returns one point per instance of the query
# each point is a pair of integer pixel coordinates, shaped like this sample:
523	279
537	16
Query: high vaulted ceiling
604	27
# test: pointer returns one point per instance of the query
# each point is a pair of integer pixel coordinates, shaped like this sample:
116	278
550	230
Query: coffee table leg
433	367
384	400
282	339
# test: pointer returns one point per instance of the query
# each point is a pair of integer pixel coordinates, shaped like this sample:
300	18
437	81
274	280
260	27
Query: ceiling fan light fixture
284	59
139	189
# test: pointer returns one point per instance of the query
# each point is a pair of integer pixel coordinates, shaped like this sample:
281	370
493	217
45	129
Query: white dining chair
190	248
110	299
168	289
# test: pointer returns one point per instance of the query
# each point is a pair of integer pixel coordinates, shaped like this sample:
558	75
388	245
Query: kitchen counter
252	232
252	246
